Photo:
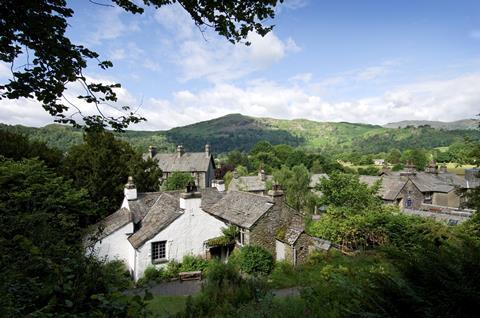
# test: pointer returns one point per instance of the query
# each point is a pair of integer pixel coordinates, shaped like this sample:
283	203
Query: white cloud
445	99
204	54
110	26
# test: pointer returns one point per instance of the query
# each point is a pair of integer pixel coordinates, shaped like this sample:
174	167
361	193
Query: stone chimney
191	199
207	151
276	195
130	190
219	184
409	169
180	151
262	175
432	167
153	151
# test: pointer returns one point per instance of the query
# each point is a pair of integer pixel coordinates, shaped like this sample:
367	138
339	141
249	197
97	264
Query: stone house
151	229
200	165
292	244
254	184
411	189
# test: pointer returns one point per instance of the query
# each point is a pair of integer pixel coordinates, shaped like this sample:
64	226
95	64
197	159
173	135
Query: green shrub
192	263
223	291
253	260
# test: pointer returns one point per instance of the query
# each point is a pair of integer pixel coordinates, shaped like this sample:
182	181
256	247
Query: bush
253	260
223	291
192	263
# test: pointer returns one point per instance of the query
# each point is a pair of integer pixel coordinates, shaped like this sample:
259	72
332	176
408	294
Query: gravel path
187	288
175	288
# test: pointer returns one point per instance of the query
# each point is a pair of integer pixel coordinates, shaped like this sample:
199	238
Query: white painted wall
116	246
184	236
280	250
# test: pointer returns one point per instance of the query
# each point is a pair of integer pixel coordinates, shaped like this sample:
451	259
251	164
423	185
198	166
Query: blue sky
359	61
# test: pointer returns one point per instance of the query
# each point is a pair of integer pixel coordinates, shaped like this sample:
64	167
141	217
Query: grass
455	168
166	306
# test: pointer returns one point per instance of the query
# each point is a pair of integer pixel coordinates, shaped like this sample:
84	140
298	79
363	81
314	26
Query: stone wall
412	192
450	199
302	248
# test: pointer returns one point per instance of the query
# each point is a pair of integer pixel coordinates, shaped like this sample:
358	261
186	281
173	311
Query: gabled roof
111	223
163	212
189	161
390	187
427	182
240	208
249	183
142	205
293	230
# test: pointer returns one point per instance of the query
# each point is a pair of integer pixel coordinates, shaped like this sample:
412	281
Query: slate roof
163	212
142	205
189	161
294	229
110	224
249	183
390	187
427	182
241	208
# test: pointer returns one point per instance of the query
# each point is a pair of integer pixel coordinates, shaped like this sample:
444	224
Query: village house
151	229
433	192
200	165
254	184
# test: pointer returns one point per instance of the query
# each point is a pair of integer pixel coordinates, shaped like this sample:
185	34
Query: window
409	203
159	251
242	236
428	197
452	222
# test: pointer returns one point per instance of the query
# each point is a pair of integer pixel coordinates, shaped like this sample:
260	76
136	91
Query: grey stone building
199	164
260	219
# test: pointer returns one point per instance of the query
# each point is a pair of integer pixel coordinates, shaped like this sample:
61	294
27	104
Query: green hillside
236	131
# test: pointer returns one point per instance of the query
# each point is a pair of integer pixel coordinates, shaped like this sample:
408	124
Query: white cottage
151	229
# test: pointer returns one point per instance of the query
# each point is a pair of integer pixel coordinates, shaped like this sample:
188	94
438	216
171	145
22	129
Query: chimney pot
180	151
207	150
153	151
130	190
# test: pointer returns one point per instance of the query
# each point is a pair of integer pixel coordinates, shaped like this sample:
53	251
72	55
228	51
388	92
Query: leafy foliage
295	183
43	268
254	260
102	165
178	181
18	147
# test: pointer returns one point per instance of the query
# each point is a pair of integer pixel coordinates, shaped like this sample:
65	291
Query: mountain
236	131
452	125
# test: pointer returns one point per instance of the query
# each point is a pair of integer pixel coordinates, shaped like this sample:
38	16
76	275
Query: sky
370	61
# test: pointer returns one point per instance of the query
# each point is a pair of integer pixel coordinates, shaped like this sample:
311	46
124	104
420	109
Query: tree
254	260
17	147
346	191
102	165
261	146
178	181
394	156
44	60
295	184
417	156
43	268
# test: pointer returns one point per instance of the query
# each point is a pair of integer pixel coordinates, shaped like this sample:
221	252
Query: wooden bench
195	275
